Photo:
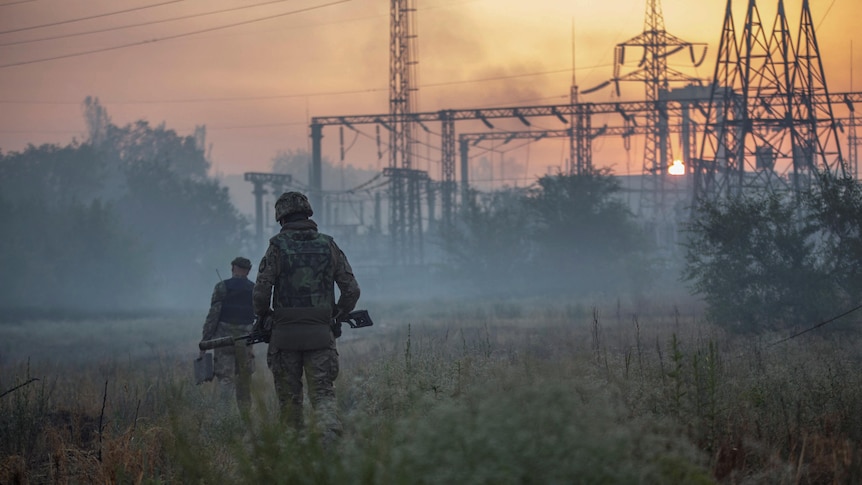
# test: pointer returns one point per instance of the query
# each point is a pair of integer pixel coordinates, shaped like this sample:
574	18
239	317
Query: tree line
127	220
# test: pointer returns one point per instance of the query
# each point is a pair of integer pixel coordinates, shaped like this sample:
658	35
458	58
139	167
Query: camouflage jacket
272	286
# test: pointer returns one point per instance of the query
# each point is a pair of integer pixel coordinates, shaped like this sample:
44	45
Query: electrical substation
764	121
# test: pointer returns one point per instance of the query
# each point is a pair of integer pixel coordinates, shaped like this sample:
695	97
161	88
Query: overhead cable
859	307
140	24
15	3
171	37
80	19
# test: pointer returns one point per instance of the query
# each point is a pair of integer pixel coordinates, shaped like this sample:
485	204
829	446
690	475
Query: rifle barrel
216	343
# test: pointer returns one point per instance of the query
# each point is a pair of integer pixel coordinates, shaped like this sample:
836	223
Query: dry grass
443	392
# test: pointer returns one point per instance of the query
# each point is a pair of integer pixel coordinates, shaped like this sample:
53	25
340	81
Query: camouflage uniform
231	315
298	274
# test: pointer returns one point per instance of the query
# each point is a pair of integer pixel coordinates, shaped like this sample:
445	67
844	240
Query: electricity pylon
770	123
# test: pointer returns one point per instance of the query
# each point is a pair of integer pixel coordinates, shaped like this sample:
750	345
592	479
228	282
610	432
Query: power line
171	37
825	14
511	76
262	125
816	326
140	24
286	96
15	3
80	19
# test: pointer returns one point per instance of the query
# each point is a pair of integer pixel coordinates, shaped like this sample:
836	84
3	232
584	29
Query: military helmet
292	203
241	262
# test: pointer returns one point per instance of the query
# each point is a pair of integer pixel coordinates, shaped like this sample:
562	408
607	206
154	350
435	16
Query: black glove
336	328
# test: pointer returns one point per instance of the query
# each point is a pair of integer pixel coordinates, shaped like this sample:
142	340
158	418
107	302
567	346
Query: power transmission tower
770	123
405	221
657	45
653	71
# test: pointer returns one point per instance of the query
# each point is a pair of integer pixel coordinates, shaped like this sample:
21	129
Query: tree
52	174
836	210
115	221
139	141
586	234
188	225
97	120
569	234
492	243
753	258
72	255
185	220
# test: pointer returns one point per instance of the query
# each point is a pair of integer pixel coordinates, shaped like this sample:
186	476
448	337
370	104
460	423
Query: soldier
298	274
231	315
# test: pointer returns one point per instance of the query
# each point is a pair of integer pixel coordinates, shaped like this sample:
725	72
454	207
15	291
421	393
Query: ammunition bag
304	328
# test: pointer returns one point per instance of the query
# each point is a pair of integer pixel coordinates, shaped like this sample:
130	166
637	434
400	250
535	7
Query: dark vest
236	307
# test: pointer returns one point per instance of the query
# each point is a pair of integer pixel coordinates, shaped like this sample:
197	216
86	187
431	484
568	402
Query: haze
255	86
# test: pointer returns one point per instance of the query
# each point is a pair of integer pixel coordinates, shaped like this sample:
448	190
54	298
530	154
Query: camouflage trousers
233	366
321	369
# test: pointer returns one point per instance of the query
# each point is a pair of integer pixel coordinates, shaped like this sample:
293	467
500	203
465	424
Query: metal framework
656	45
770	123
679	104
405	221
853	143
277	183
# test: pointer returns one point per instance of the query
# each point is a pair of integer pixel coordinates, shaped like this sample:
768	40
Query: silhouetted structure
770	122
277	182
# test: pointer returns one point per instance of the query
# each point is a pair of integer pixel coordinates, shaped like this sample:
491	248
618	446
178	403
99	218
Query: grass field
504	392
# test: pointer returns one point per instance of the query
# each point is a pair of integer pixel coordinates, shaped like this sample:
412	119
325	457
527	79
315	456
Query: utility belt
300	329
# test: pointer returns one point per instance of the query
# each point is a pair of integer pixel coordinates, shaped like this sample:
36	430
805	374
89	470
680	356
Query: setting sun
678	168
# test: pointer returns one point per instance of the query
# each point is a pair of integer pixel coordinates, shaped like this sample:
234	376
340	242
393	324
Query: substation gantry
277	183
679	107
760	86
688	107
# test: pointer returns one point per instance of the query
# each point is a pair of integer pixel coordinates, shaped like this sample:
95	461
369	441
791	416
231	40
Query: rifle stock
356	319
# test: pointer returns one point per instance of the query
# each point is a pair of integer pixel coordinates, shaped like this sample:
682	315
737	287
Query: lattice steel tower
405	221
770	123
657	45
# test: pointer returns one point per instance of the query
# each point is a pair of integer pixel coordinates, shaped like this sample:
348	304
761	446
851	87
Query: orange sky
255	86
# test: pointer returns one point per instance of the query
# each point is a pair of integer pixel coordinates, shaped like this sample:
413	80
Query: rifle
356	319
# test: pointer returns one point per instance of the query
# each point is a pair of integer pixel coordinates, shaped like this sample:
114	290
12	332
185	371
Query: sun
678	168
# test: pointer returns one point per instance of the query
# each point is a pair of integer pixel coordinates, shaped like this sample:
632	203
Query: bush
771	262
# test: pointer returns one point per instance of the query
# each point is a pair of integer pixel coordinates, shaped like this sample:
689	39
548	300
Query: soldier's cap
241	262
